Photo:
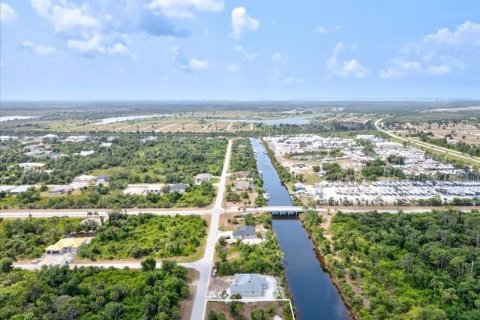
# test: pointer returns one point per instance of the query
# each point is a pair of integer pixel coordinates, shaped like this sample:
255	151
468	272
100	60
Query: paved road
204	266
73	213
82	213
428	145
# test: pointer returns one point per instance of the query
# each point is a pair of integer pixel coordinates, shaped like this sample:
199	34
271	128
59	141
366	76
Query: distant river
11	118
313	293
128	118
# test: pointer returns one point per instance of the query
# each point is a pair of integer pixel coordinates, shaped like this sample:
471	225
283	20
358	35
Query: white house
202	177
249	285
244	232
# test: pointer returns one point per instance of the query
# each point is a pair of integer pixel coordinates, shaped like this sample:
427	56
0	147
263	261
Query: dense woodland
93	293
243	159
104	197
405	266
28	238
378	168
130	159
136	236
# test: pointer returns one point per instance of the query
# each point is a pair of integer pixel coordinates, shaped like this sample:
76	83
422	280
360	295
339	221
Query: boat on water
266	196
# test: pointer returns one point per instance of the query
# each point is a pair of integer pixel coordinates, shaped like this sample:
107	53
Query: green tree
149	264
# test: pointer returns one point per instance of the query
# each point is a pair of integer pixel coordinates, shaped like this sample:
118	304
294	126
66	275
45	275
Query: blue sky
239	50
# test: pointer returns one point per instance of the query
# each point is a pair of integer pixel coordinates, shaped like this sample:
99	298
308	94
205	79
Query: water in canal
313	293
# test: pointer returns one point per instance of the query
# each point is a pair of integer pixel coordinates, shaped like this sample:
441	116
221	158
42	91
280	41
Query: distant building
242	185
50	137
150	138
248	285
368	137
299	187
31	165
86	153
56	155
77	139
66	245
203	177
103	179
8	138
244	232
135	190
61	189
177	187
156	188
83	181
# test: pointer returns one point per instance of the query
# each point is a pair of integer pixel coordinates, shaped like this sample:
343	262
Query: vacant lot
93	293
127	236
252	310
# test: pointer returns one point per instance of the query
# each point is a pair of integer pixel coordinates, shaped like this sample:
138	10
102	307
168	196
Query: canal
313	293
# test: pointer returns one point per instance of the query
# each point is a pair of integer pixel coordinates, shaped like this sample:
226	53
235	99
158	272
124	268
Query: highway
428	145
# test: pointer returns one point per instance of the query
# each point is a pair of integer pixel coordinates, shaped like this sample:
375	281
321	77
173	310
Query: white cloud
468	33
85	32
7	13
42	7
185	8
193	64
279	58
321	30
65	17
72	20
119	48
439	53
234	68
197	64
88	46
242	22
245	53
400	68
345	69
38	49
